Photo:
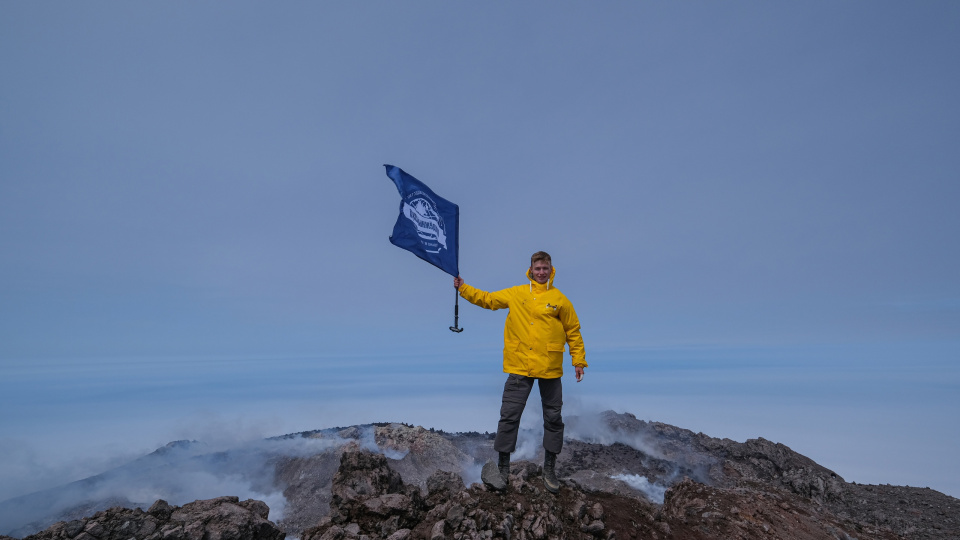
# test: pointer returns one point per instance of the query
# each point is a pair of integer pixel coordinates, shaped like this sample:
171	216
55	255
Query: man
540	322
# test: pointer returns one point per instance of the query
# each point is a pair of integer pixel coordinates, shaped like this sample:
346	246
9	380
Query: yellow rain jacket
540	322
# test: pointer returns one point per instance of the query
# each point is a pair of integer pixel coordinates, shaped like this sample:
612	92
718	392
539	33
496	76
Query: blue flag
428	225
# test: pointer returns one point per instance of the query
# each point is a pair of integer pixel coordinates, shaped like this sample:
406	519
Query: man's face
540	271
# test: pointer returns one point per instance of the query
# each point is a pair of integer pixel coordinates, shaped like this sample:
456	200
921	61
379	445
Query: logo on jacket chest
547	307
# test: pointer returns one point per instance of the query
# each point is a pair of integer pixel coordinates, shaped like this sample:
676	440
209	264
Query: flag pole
456	313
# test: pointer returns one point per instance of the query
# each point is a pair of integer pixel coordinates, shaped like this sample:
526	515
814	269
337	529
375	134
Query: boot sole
550	488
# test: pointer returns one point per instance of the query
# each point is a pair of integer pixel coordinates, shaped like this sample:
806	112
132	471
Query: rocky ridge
370	501
622	477
223	518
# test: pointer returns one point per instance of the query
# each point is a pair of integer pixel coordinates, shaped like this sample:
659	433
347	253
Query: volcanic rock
419	452
526	510
223	518
621	478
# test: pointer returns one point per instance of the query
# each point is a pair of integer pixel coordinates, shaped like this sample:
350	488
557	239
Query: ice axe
456	313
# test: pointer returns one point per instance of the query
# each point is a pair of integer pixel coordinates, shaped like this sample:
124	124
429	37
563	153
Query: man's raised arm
484	299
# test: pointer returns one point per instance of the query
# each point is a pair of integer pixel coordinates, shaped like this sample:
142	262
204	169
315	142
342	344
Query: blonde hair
540	256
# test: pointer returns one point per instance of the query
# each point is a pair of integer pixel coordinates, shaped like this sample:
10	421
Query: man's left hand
579	371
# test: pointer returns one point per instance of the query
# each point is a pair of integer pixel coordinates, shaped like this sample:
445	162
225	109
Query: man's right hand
457	282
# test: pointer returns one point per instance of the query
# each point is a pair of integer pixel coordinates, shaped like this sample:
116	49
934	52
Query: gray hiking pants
515	393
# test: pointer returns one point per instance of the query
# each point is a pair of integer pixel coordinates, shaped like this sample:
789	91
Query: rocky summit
620	478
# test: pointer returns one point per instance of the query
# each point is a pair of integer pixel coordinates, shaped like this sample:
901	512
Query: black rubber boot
549	473
504	465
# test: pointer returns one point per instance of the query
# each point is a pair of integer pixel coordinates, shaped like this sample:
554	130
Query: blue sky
771	186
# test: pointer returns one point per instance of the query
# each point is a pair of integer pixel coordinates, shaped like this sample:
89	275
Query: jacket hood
548	284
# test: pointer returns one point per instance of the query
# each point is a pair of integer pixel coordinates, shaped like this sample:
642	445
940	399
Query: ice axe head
455	329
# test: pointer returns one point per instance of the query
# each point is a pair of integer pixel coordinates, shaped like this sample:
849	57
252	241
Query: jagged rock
444	484
424	452
438	532
402	534
692	508
160	509
454	515
363	474
714	488
490	474
594	527
743	508
596	512
223	518
367	493
307	481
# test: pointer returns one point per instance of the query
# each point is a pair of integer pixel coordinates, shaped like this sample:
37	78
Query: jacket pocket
554	367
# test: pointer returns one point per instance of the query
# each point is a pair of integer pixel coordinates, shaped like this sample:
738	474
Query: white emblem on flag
422	212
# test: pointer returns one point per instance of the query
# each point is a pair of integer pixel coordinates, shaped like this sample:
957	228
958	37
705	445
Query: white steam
652	491
470	472
179	473
234	459
589	426
529	443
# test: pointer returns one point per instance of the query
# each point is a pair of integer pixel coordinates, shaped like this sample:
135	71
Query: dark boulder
223	518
